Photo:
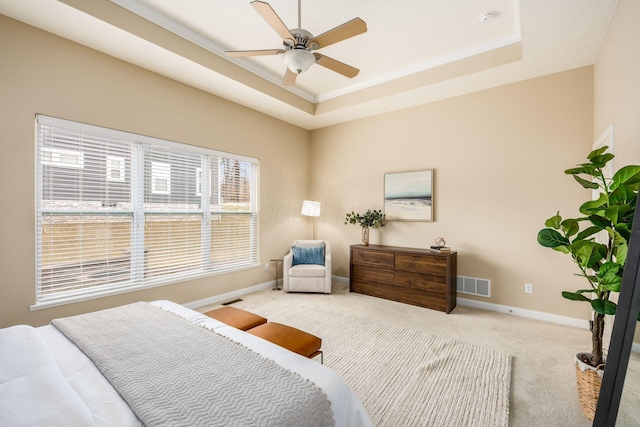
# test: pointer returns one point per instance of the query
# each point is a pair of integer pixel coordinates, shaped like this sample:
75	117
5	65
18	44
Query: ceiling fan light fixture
299	60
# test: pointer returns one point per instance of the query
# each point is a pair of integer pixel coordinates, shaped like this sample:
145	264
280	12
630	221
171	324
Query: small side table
276	262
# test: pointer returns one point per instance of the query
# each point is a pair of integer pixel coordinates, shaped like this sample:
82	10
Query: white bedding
46	380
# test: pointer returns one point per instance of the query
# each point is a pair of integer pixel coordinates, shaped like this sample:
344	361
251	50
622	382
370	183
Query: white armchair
303	269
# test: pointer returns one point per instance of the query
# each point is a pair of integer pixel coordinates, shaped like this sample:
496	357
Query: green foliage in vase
600	261
370	219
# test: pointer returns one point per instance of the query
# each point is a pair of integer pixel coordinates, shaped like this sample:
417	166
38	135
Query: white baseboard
529	314
532	314
216	299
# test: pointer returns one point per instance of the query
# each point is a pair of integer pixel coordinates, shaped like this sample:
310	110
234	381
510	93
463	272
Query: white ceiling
414	52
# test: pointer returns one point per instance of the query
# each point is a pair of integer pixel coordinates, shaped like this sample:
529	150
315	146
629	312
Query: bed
46	379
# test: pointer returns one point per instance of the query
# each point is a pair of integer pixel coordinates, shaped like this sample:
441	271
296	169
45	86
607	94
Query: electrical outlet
267	266
528	288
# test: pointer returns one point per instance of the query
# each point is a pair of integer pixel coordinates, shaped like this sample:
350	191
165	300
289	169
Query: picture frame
408	196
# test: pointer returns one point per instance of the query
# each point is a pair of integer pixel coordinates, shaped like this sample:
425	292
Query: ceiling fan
299	44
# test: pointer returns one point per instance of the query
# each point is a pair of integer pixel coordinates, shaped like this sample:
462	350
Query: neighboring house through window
118	211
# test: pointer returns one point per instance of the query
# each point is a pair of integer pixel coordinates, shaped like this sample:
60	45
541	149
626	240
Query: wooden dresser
412	276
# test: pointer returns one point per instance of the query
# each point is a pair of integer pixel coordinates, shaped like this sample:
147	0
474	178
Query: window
63	158
160	178
118	211
115	168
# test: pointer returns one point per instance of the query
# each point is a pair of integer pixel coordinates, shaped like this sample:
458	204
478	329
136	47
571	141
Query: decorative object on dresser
371	218
408	196
408	275
440	245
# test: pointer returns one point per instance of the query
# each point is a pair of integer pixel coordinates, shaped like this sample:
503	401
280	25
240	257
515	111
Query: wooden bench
290	338
285	336
236	317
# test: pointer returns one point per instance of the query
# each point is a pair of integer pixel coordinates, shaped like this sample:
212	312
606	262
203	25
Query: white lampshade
310	208
299	60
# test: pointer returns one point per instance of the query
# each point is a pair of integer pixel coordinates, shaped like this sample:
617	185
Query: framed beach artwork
408	196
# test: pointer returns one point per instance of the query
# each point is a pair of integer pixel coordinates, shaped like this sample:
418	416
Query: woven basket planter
589	383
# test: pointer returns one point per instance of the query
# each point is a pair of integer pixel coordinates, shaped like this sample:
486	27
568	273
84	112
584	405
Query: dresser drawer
365	273
419	298
373	258
433	265
424	282
379	290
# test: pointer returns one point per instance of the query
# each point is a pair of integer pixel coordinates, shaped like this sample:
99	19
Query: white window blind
118	211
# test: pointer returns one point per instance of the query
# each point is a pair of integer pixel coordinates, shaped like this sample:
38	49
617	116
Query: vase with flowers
370	219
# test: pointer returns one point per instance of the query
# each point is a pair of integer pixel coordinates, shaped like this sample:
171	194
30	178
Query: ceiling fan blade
245	53
272	18
348	29
337	66
289	77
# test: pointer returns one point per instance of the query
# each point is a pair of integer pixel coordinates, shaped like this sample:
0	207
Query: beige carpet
543	379
405	377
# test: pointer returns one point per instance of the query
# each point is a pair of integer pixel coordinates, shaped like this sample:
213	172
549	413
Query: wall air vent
473	286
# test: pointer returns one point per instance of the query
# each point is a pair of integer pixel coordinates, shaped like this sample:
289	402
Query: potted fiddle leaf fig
370	219
597	243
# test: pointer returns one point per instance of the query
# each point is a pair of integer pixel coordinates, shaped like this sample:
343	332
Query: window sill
132	288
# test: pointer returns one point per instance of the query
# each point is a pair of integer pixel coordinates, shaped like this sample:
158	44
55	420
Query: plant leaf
620	253
601	160
573	296
616	212
587	253
599	221
586	183
551	238
604	306
585	169
597	152
554	221
622	195
570	227
629	176
608	268
588	232
595	206
613	287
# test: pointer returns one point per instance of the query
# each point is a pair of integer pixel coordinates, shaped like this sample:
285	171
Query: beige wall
617	83
617	86
42	73
498	158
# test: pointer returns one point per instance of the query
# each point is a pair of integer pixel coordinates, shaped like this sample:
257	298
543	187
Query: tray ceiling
414	52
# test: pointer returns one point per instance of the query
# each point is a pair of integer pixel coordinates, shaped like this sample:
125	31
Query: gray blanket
174	373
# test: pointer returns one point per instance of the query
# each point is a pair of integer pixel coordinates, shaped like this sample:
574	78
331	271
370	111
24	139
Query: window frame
139	213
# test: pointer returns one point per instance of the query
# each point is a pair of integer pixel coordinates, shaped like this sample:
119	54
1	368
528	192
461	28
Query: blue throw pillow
312	255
